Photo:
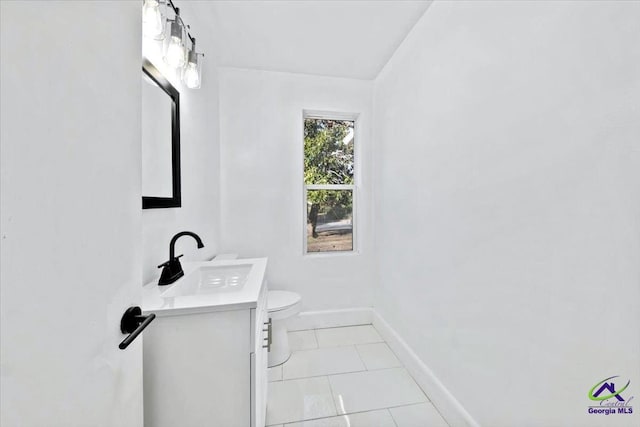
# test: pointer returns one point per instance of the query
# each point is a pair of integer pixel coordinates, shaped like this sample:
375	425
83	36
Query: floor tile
377	356
299	400
423	415
302	340
349	335
275	373
363	391
322	361
380	418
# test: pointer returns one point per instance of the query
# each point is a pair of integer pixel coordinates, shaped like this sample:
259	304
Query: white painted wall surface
261	151
200	164
508	204
70	213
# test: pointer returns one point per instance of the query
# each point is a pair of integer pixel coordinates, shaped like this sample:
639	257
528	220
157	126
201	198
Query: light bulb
192	72
174	56
175	53
152	24
191	76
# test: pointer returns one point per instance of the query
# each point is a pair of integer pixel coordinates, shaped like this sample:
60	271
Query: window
329	183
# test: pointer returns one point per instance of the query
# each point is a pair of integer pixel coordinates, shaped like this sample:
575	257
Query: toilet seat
280	300
283	304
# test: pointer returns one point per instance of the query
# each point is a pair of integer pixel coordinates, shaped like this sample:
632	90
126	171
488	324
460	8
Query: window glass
329	220
328	151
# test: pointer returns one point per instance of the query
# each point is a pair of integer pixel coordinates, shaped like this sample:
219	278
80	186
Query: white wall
507	204
70	213
199	162
262	208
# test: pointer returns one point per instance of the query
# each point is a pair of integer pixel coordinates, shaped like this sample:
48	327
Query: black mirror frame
176	200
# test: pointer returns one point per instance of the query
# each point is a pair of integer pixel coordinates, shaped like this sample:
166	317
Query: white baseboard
331	318
450	409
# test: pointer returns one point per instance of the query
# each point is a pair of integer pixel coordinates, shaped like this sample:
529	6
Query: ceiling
332	37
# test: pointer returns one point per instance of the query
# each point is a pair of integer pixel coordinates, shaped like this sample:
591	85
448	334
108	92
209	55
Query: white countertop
246	297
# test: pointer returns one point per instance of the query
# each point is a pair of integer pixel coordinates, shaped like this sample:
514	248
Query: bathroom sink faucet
172	269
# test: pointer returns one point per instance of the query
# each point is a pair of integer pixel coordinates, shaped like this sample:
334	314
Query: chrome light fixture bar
177	54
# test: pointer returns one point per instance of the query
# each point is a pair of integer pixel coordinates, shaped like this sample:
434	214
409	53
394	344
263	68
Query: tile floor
345	377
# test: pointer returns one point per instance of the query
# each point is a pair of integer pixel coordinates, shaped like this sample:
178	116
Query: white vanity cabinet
207	367
262	337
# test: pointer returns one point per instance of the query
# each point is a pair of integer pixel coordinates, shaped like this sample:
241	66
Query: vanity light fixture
153	19
192	72
176	53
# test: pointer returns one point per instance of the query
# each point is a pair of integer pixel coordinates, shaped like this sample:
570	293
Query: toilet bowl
281	305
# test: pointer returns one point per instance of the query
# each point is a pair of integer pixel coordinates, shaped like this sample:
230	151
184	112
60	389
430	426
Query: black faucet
172	269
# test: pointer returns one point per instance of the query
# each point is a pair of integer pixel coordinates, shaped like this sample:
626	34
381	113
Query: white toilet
281	305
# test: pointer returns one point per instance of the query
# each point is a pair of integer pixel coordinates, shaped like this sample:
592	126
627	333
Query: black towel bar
133	323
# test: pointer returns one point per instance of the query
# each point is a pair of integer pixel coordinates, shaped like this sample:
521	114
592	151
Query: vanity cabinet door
259	360
195	370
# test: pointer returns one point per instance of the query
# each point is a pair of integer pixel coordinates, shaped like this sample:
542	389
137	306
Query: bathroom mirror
160	140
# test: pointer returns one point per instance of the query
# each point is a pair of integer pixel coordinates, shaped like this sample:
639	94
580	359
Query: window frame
332	115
